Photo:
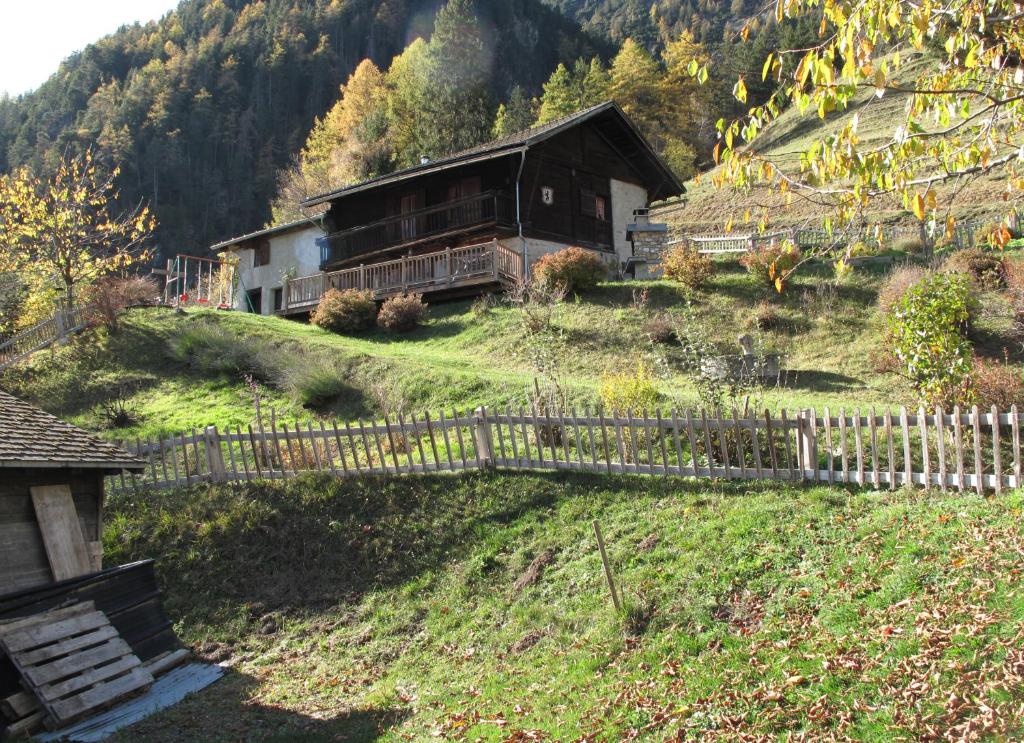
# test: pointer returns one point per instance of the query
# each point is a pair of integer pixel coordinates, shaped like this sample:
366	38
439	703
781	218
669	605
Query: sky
36	35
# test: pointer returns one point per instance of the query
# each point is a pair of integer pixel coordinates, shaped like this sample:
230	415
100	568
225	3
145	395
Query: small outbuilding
51	496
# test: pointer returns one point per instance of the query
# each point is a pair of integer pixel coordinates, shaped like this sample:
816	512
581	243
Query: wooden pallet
72	661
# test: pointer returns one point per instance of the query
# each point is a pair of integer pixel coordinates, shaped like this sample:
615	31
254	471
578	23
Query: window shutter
588	202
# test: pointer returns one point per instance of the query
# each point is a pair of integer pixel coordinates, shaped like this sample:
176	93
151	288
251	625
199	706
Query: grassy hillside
461	358
475	608
705	208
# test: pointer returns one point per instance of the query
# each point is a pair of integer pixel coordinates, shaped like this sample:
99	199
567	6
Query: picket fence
964	449
43	334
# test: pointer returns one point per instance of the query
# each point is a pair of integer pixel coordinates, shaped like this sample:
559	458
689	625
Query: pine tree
516	115
597	83
560	96
406	85
456	110
634	86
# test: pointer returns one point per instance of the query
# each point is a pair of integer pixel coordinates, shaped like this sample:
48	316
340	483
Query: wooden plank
890	449
69	644
618	441
1015	434
634	442
500	454
90	677
538	437
755	443
858	436
908	464
723	444
19	705
830	457
163	460
341	447
511	435
997	458
940	444
648	438
788	449
11	626
231	454
578	436
604	439
526	438
926	465
875	469
462	444
591	438
979	467
770	439
419	443
380	448
692	439
316	450
25	725
327	448
661	441
740	454
61	531
707	442
76	663
156	667
66	710
678	445
352	444
958	440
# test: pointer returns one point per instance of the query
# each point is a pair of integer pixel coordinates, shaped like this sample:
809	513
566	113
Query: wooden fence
959	450
41	335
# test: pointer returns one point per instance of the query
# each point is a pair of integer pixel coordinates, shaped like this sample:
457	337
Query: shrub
660	329
772	264
861	249
109	297
896	284
402	313
572	269
345	311
984	268
537	303
688	266
996	383
629	391
927	331
208	347
912	245
767	317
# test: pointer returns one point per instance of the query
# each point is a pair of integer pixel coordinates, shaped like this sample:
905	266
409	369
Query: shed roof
30	437
277	229
639	151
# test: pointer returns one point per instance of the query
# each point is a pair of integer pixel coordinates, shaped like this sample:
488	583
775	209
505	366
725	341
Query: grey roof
266	231
505	146
30	437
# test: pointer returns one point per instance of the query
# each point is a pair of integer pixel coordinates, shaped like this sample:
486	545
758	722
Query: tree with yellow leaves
60	234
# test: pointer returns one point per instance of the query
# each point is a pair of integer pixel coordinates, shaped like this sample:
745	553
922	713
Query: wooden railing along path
438	271
41	335
960	450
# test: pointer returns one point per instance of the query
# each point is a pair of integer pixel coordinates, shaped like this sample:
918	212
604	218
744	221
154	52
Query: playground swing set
199	282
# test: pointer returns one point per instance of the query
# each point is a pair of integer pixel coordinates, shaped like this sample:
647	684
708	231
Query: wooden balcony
489	209
441	271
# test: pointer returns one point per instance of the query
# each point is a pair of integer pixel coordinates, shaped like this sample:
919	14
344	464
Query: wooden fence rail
960	450
41	335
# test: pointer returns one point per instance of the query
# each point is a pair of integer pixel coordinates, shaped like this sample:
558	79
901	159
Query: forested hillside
202	109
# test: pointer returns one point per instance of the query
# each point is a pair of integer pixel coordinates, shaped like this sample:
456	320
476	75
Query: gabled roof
277	229
519	141
30	437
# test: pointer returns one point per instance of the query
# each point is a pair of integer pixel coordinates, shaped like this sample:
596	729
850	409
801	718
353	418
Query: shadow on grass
818	381
223	712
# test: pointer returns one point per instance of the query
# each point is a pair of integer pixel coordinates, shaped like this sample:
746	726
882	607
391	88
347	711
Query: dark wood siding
23	560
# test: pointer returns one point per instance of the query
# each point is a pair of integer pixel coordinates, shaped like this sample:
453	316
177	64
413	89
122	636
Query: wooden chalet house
479	218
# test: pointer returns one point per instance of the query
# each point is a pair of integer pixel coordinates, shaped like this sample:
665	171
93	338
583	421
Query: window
261	254
278	298
599	207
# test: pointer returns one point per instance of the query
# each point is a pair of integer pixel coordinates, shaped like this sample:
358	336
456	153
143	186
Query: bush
767	317
927	331
986	269
629	392
688	266
572	269
996	383
912	245
109	297
660	329
771	264
896	284
210	348
345	311
861	249
402	313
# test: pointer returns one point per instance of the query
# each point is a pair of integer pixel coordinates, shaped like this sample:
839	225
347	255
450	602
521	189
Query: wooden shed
51	496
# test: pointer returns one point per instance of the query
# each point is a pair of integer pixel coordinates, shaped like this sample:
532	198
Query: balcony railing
443	270
482	210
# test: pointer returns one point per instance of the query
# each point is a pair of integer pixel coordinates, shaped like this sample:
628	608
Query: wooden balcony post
405	273
362	276
448	263
494	257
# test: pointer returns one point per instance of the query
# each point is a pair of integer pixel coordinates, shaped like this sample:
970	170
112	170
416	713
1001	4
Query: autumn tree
406	88
956	70
62	233
634	86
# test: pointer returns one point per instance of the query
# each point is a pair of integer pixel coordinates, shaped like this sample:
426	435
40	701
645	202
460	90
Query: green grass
354	610
828	334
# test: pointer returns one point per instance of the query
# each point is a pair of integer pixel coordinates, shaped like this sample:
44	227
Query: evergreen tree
597	83
561	96
516	115
634	86
406	85
455	106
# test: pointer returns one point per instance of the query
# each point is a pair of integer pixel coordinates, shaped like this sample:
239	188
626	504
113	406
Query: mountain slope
203	107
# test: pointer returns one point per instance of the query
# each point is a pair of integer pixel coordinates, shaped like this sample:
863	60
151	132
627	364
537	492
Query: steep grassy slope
475	608
705	208
464	358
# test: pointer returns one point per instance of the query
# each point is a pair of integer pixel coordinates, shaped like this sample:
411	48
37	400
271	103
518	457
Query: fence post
214	456
60	325
482	434
808	445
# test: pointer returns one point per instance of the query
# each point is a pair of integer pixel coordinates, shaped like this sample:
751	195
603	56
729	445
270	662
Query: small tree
62	233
